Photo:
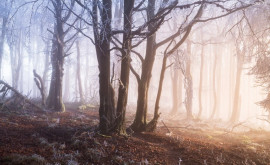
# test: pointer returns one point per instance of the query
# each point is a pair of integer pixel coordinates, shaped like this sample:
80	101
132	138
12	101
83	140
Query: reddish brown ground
70	138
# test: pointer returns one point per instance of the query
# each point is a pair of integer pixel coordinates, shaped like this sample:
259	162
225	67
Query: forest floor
70	138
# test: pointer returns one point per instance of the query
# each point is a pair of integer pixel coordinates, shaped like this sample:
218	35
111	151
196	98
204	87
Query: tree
102	38
78	72
176	79
102	32
214	110
46	66
54	100
125	67
14	42
147	65
201	81
188	82
67	81
155	21
240	54
5	6
216	82
168	52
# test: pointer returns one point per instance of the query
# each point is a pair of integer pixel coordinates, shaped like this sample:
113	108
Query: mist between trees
204	60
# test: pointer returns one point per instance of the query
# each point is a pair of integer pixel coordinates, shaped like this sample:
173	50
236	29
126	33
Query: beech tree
58	53
102	32
15	43
201	80
176	79
140	121
125	67
240	55
78	72
216	81
5	7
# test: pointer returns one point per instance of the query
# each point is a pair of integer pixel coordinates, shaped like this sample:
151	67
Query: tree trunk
236	101
86	82
139	123
76	87
201	83
21	75
118	12
46	68
102	45
79	81
13	60
151	126
54	100
231	82
214	88
125	68
175	86
180	88
35	63
219	66
16	60
2	41
189	83
67	86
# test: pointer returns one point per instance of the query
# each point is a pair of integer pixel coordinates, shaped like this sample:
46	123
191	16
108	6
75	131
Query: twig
231	131
165	126
264	120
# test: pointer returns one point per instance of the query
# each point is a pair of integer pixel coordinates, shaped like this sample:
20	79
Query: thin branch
135	73
139	55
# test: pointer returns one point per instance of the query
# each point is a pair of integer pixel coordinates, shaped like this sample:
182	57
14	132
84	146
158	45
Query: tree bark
46	67
152	124
139	123
180	89
102	45
201	83
219	66
189	83
2	41
175	91
232	80
125	67
54	100
79	80
86	82
214	110
16	60
21	75
118	12
67	86
236	101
